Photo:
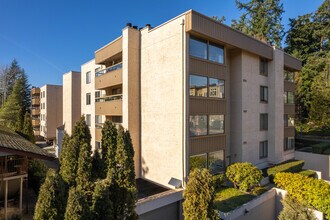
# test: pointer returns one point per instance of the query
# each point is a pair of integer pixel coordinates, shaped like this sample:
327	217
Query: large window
88	119
214	161
263	93
206	50
97	145
288	76
216	88
264	67
288	120
288	143
263	149
88	98
88	77
263	122
98	119
97	94
198	86
289	97
216	124
198	125
198	48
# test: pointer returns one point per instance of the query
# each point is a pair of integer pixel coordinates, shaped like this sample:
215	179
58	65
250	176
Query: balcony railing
109	69
109	98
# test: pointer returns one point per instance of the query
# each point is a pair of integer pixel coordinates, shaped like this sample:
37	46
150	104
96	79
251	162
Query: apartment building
71	100
35	110
88	97
50	110
196	93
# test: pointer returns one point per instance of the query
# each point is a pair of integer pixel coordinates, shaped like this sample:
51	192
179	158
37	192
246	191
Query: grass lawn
227	199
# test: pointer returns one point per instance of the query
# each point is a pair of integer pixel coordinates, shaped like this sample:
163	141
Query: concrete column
21	196
6	198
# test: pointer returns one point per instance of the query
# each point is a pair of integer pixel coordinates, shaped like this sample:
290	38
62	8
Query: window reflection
198	48
198	86
216	124
216	53
215	161
198	161
198	125
216	88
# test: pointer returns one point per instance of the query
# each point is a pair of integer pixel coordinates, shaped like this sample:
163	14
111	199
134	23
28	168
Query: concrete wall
162	102
71	99
53	110
318	162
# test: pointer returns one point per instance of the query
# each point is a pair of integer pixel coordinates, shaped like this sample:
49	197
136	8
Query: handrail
109	69
109	98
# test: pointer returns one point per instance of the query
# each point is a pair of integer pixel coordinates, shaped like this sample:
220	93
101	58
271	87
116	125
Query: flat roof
146	188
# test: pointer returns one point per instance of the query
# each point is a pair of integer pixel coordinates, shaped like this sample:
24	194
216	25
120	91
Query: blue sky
52	37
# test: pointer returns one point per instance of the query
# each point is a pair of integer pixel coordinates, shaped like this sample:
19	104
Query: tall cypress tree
102	206
261	19
84	170
109	146
77	206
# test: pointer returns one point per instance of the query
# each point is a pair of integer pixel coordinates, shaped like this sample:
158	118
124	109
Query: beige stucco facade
50	110
71	100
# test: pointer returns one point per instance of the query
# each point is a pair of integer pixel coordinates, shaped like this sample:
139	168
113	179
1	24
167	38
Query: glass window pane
88	119
216	124
216	161
198	125
288	76
198	161
198	48
198	86
88	77
285	98
216	53
216	88
290	98
291	120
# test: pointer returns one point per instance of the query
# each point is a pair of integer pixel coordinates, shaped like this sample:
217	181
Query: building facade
50	110
196	93
35	110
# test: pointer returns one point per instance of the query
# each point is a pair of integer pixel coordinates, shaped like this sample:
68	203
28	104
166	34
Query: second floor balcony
109	105
35	111
109	77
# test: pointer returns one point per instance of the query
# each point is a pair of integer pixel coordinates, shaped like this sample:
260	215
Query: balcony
109	77
110	52
35	91
35	111
35	122
109	105
35	101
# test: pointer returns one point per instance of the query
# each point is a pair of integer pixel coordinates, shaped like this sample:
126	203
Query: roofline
25	153
109	44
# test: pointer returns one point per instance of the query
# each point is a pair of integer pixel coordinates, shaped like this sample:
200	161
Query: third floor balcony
110	76
109	105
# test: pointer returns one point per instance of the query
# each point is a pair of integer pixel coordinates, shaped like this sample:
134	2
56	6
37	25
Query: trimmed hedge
218	180
291	167
320	148
309	173
314	193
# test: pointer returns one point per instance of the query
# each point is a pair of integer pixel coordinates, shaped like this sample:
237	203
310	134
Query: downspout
183	104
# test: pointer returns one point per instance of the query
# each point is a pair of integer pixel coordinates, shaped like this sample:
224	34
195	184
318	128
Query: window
198	86
43	94
263	122
198	125
88	119
198	161
216	124
288	120
88	77
216	88
289	97
264	67
198	48
263	93
263	149
117	119
97	94
288	76
206	50
88	98
97	145
216	161
288	143
216	53
98	119
43	105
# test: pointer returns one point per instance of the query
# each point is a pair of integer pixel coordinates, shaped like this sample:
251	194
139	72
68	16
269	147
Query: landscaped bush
315	193
309	173
37	174
291	166
244	176
218	180
320	148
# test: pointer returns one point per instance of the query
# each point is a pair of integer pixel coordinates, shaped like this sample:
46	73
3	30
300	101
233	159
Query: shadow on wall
145	169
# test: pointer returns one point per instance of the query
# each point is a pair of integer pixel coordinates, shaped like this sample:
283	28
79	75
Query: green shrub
37	174
291	166
314	193
294	210
218	180
309	173
244	176
258	190
320	148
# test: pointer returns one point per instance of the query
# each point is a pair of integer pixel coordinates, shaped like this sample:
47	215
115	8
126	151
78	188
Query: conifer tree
199	196
27	128
98	168
84	170
77	206
261	19
64	151
52	198
102	206
109	146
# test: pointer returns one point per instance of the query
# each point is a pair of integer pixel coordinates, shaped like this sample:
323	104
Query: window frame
88	119
88	98
88	77
262	94
263	65
286	143
208	87
263	149
263	126
208	124
207	161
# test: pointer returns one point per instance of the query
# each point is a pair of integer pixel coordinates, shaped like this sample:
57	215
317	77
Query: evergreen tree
261	19
98	168
27	128
109	146
84	170
322	26
294	210
51	200
64	151
102	205
199	196
77	206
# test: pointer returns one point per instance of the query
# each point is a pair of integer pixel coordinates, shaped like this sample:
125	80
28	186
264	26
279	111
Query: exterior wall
52	111
162	102
89	88
316	162
164	213
71	99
